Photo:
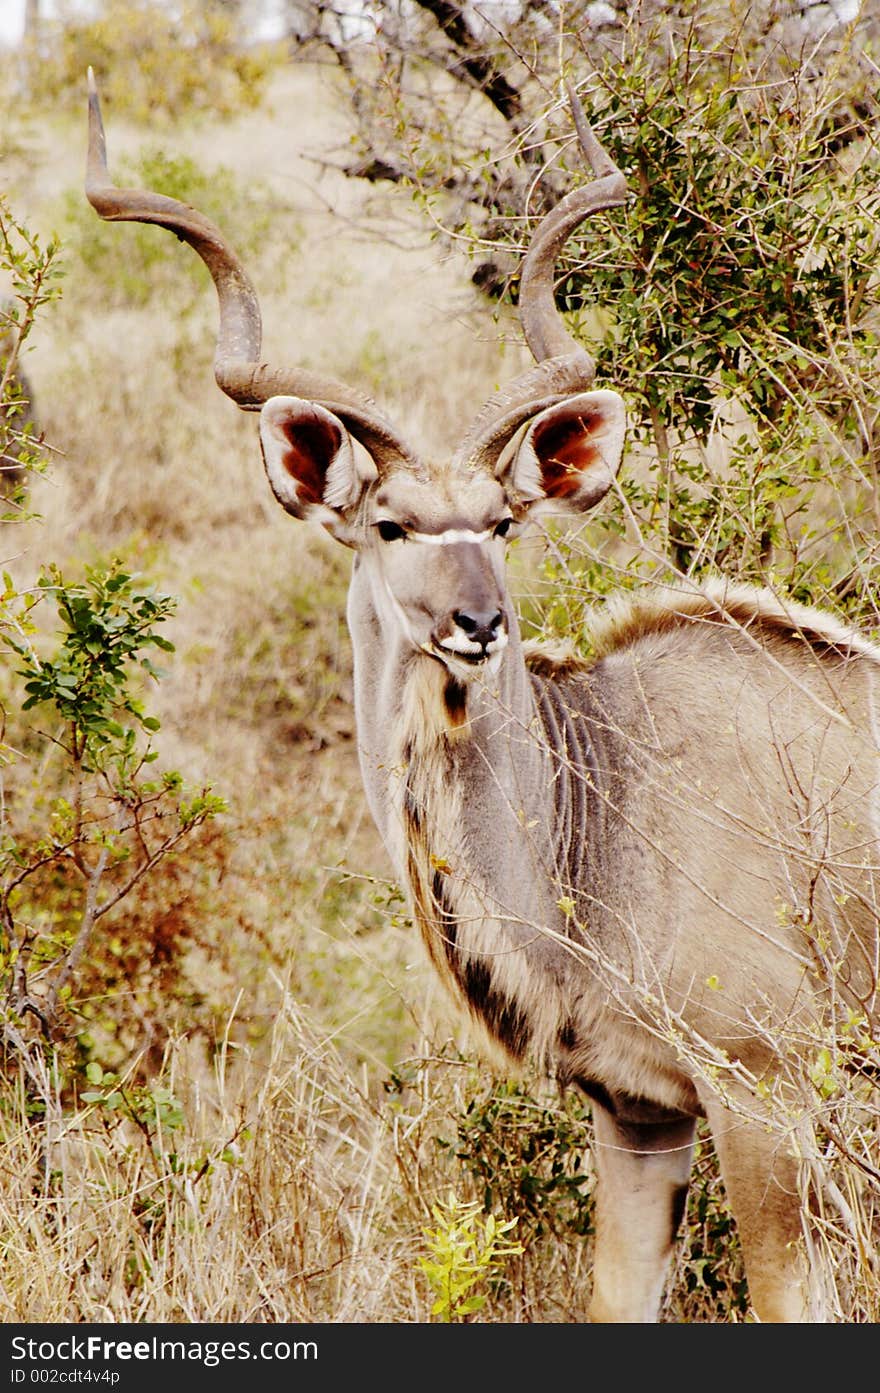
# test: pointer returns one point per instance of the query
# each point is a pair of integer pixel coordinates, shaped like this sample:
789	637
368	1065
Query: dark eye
503	527
390	531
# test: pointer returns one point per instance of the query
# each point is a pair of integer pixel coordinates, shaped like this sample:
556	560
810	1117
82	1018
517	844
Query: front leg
643	1161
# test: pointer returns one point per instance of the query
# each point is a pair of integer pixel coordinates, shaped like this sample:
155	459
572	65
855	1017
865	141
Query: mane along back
626	619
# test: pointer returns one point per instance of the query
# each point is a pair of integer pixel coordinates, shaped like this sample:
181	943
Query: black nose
481	627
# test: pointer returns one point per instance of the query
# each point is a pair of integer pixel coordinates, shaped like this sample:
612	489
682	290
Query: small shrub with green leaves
468	1250
712	1272
527	1158
33	269
84	823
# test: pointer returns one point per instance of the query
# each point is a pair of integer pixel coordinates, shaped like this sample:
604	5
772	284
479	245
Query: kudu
653	872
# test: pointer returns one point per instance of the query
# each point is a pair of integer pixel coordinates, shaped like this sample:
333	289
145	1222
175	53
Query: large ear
315	468
567	456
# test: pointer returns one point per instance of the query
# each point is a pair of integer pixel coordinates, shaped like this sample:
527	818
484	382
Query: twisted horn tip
600	161
97	173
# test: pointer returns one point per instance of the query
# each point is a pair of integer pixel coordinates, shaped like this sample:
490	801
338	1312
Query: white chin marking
479	668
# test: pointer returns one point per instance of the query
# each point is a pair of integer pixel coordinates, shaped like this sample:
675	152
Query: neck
482	796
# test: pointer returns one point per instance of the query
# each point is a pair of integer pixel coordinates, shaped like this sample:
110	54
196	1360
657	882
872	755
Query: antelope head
429	538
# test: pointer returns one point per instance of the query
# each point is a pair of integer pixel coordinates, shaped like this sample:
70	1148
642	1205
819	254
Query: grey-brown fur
607	740
674	791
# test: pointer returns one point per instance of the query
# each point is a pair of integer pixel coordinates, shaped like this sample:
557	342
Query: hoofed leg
643	1171
760	1176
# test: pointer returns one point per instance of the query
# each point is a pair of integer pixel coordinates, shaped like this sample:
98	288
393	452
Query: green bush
33	269
82	835
734	302
466	1252
153	62
141	267
527	1159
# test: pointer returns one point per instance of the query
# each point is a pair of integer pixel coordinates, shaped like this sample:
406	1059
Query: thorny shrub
467	1252
734	301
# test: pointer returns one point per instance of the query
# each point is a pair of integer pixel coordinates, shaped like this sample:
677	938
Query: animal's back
737	756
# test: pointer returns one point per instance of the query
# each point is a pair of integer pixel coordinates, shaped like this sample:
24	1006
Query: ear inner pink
565	451
312	445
